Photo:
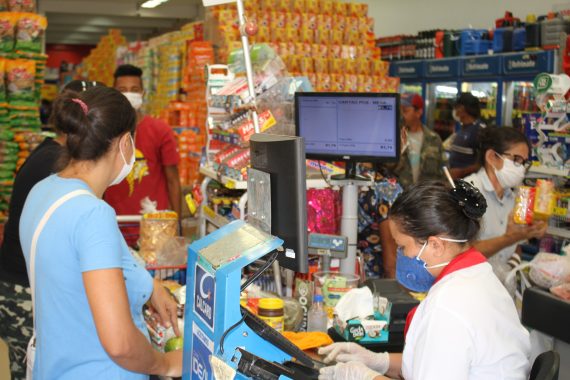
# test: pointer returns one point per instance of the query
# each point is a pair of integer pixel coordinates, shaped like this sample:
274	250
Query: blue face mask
412	272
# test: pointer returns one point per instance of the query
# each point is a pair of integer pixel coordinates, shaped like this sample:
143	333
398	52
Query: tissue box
365	331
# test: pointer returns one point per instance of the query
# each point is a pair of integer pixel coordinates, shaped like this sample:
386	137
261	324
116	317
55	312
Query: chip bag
30	28
22	5
7	28
20	83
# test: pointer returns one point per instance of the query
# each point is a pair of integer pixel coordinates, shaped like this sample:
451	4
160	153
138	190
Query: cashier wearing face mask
467	327
89	289
504	159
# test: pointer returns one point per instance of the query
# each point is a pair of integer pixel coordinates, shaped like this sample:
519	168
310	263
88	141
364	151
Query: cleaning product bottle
317	317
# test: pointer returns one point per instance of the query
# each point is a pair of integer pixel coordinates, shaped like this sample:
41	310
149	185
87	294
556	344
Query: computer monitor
283	157
351	127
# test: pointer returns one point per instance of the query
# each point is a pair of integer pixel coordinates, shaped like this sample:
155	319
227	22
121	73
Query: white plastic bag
549	269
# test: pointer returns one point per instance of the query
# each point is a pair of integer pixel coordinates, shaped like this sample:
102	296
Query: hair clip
82	104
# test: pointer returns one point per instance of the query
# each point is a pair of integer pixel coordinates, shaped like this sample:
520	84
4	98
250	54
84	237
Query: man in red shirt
155	173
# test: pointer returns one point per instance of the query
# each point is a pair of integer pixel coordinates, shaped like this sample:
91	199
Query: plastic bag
562	291
548	270
173	252
157	228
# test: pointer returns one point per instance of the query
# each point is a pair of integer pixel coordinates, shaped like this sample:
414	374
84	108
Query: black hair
499	139
128	71
81	85
433	208
470	103
90	131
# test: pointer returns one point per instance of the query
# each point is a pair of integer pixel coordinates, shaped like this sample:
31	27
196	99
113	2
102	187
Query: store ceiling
85	21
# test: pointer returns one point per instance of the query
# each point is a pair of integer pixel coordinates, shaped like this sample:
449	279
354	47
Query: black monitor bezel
357	158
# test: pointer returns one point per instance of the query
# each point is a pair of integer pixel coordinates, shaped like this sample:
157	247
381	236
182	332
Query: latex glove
164	307
348	371
352	352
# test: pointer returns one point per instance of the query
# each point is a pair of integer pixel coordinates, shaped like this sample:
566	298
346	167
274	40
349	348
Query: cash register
221	338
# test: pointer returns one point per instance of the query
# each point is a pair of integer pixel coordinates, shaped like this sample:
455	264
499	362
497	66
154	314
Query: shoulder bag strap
36	236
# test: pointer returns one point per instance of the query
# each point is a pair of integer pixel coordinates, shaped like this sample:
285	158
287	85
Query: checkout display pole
349	224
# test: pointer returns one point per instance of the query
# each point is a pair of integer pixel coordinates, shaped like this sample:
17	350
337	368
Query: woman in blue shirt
89	291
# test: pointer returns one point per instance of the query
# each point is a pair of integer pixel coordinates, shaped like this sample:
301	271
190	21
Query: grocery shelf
556	231
549	171
211	216
228	182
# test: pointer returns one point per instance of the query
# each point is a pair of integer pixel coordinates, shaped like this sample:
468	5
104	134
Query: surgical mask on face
127	166
510	175
135	98
455	116
412	272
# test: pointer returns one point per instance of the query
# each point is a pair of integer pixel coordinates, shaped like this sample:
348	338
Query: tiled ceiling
85	21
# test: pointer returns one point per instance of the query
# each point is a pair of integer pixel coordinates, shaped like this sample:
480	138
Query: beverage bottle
317	317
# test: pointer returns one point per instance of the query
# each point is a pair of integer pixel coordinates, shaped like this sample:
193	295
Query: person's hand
348	371
164	307
352	352
517	232
172	364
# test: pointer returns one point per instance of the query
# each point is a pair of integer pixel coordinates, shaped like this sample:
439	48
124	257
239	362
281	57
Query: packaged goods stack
328	41
100	63
22	67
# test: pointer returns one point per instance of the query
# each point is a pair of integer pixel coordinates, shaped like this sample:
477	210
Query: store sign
202	349
204	296
542	83
481	66
407	70
440	68
528	63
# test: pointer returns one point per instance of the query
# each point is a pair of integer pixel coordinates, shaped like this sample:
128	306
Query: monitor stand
350	183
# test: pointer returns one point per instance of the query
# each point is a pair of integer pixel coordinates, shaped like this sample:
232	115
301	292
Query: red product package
224	154
323	210
238	158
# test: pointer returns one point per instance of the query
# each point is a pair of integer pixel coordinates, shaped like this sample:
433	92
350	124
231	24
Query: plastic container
532	32
334	285
317	318
271	310
552	29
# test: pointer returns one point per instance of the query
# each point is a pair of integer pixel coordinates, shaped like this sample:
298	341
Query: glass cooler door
441	97
519	99
487	94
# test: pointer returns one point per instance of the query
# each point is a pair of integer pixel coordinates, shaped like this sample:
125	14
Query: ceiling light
152	3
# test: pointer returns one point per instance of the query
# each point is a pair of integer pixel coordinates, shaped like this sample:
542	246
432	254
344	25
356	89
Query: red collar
467	259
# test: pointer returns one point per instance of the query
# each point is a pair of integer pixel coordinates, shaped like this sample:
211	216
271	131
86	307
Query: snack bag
336	66
337	83
351	83
312	6
319	51
279	35
523	212
299	6
307	35
545	199
361	83
2	80
324	22
292	34
321	65
326	6
340	8
29	30
335	51
339	22
294	20
307	65
322	36
22	5
20	75
362	66
283	5
278	20
7	31
309	20
349	66
337	37
4	6
323	82
268	5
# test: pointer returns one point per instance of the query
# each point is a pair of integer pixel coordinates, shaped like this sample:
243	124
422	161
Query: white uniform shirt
496	218
467	328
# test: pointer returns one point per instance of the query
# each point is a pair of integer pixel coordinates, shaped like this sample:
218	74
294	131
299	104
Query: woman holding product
504	159
88	290
467	326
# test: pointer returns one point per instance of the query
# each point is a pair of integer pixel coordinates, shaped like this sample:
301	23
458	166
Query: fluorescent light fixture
152	3
209	3
447	90
479	94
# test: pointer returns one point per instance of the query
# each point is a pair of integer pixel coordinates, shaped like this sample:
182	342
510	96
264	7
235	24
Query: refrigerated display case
442	87
441	97
519	71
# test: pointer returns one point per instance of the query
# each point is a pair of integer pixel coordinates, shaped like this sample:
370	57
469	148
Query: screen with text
348	126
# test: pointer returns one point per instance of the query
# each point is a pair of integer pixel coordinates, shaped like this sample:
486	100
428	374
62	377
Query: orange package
337	37
324	22
294	20
337	83
319	51
339	8
278	20
351	83
279	35
283	5
336	66
312	6
308	340
307	35
309	20
299	6
323	82
335	51
339	22
326	7
292	34
307	65
322	36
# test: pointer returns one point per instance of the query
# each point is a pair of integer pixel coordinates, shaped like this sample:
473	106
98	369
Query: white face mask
127	167
135	98
455	117
510	175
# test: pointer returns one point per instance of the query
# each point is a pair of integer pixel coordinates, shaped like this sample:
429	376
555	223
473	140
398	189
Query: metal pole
349	225
247	60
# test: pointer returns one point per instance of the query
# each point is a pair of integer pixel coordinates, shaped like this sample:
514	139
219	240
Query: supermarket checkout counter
549	315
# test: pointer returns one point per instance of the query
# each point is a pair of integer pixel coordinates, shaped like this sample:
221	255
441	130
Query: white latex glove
347	371
352	352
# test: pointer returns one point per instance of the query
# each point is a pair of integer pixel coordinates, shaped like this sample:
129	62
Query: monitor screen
349	126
